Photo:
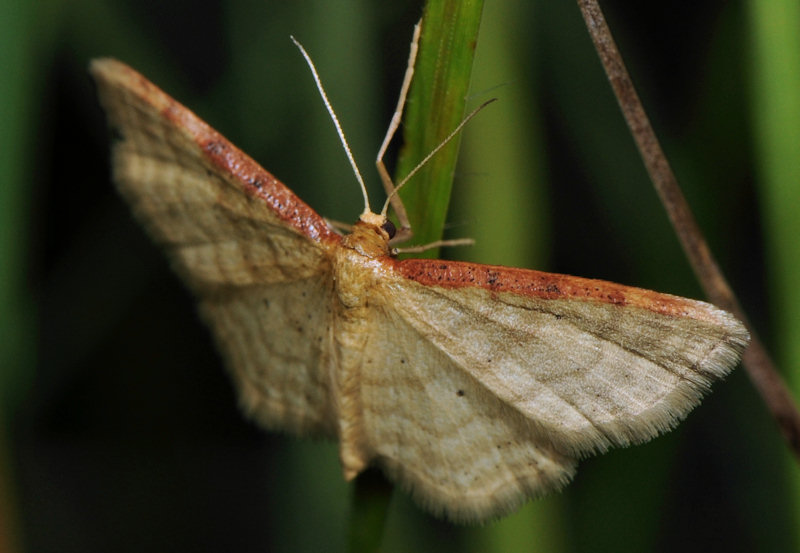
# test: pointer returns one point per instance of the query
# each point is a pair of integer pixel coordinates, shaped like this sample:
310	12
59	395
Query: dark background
121	427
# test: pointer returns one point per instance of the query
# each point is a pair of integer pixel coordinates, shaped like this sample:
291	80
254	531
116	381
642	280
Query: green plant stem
371	495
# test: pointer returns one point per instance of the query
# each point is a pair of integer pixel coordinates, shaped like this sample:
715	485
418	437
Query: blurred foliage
123	433
775	110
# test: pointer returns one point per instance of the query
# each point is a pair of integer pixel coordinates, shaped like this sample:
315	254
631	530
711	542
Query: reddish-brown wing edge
551	286
229	159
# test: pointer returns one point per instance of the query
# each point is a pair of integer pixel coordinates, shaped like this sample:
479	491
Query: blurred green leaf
775	85
18	92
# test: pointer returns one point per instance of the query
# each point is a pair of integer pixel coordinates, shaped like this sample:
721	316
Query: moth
474	387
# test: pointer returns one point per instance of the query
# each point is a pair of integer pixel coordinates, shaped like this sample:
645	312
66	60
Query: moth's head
371	235
380	221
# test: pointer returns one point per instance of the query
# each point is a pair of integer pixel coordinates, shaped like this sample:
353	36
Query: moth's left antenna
335	122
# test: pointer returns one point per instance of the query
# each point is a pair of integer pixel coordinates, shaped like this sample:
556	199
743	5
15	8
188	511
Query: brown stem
756	360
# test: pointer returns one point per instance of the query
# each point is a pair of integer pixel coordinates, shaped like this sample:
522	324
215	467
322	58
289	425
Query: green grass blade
435	107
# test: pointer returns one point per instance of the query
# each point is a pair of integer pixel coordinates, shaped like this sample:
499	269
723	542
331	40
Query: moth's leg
338	226
404	232
436	244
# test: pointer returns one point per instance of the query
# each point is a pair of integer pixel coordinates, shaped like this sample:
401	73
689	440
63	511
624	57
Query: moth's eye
390	229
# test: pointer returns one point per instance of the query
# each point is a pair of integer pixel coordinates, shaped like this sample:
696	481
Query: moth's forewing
252	251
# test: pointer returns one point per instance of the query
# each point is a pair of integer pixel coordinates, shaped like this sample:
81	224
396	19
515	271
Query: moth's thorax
359	263
356	273
368	237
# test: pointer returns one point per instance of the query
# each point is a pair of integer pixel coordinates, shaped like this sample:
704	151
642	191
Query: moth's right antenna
433	152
